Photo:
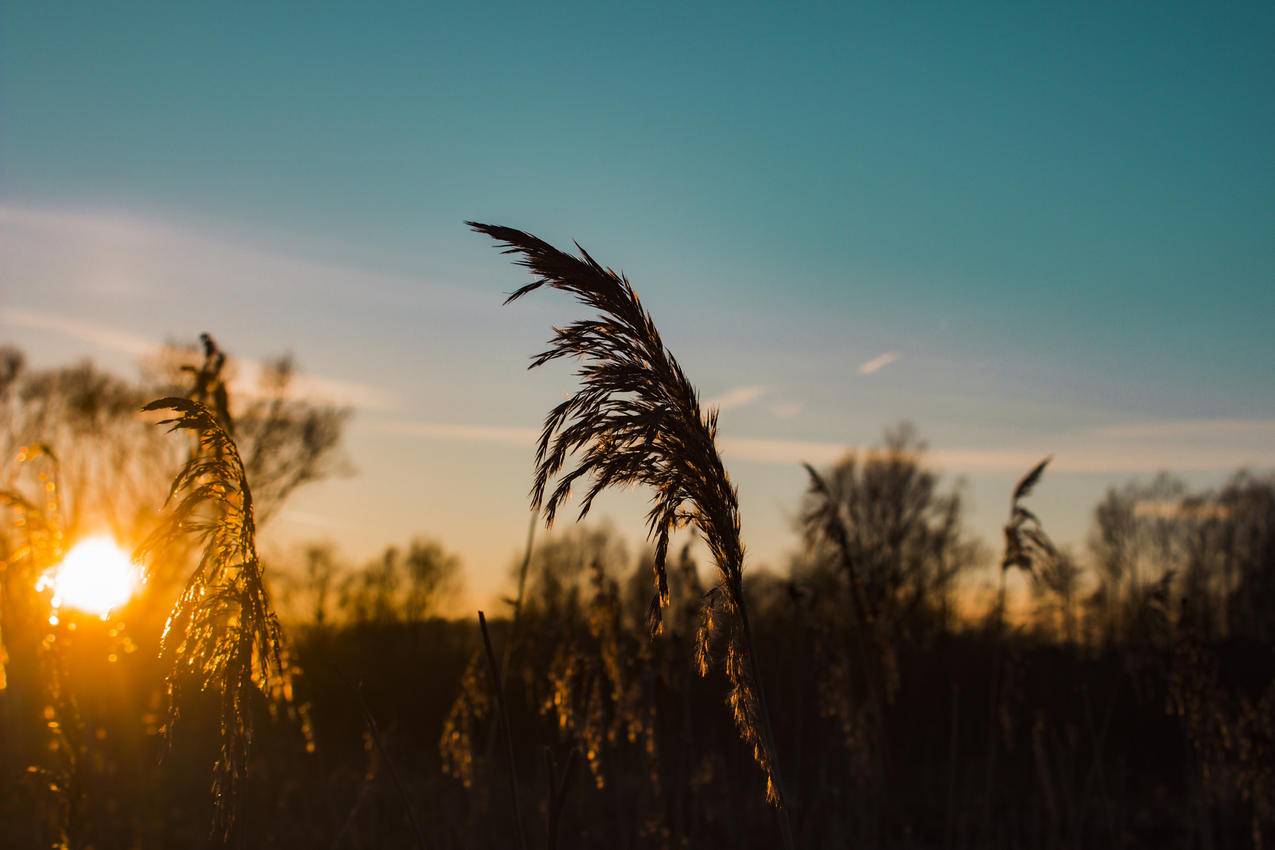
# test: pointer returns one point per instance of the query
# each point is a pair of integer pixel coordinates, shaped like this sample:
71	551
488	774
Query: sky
1027	229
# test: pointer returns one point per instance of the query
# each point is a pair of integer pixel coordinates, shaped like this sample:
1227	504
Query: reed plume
1026	543
222	629
208	382
636	419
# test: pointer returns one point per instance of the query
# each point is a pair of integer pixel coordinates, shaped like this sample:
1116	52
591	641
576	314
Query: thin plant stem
506	651
375	732
499	692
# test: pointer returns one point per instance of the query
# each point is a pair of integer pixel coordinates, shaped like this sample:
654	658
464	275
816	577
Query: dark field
1121	697
1090	751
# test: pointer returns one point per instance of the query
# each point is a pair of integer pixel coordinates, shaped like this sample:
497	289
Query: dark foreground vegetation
868	696
1142	739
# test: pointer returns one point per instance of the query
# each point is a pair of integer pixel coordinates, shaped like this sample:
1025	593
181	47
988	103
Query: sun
95	577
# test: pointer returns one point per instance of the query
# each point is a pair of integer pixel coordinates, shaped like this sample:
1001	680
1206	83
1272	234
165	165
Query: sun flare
95	577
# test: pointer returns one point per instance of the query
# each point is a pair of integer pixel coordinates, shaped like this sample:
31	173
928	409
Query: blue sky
1059	223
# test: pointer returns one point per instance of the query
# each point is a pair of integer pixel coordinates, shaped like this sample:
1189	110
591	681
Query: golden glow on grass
95	577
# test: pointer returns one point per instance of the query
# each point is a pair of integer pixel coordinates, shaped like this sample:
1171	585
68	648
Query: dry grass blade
223	629
636	419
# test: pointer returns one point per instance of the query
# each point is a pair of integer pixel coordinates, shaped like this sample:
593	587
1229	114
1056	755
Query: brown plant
636	419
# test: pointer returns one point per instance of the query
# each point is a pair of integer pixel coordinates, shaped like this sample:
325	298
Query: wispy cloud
1076	453
346	393
1188	429
247	377
459	432
1070	456
781	451
74	253
761	450
737	397
743	396
876	364
793	452
99	336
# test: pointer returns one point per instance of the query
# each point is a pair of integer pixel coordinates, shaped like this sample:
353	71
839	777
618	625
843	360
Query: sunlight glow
96	576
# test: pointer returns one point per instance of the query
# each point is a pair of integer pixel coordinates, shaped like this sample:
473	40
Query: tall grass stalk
636	419
1026	546
869	645
223	629
515	617
498	691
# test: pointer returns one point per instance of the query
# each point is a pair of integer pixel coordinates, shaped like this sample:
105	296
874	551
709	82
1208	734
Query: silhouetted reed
1026	543
636	419
1026	547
